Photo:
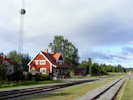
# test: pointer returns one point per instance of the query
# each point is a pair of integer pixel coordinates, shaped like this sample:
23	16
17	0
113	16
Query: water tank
22	11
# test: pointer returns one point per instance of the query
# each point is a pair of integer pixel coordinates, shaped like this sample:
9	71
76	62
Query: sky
101	29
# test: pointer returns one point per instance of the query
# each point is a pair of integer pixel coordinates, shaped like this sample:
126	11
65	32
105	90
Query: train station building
48	63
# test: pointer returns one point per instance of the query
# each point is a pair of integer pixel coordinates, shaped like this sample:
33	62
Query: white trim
50	68
36	62
43	69
42	63
29	68
54	66
43	56
33	58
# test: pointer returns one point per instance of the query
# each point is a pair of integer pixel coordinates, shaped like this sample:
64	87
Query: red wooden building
48	63
79	71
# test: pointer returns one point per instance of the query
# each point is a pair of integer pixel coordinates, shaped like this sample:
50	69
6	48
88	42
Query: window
36	62
42	62
43	70
60	63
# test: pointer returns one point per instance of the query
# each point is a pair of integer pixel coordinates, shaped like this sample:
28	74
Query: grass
69	93
12	84
128	92
120	93
110	73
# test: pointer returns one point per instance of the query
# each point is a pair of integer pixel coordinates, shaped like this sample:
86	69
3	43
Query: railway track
28	91
106	92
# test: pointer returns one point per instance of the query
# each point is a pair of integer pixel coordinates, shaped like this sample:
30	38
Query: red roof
53	58
4	59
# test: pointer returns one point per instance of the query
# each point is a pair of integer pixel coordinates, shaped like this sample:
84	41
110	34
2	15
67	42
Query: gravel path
97	91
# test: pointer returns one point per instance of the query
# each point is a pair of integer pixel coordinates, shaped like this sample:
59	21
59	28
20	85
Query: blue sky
100	29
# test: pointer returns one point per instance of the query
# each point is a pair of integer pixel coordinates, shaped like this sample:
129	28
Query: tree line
96	69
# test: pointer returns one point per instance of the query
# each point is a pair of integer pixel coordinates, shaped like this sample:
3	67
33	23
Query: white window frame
42	62
36	62
41	70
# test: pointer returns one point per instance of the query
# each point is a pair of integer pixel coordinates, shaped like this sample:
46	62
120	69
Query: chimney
52	52
3	56
46	50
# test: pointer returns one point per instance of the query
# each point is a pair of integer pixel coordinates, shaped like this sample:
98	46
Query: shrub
18	75
8	77
41	77
28	76
45	77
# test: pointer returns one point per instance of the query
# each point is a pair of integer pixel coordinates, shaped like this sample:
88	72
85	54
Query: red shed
79	71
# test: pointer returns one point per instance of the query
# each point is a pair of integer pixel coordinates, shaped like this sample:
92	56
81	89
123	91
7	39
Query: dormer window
60	62
60	58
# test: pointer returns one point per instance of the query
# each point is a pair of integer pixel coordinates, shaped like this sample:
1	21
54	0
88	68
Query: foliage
14	57
69	51
25	60
118	69
41	77
89	61
2	71
102	68
28	76
16	76
94	69
84	64
4	84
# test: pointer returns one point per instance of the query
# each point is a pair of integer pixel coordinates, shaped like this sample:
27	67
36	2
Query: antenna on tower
21	32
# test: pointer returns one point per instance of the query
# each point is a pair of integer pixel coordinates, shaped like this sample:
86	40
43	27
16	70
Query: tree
25	60
69	51
109	68
89	61
2	71
94	69
118	68
14	57
113	69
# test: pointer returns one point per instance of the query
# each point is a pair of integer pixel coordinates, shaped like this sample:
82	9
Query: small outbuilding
79	71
